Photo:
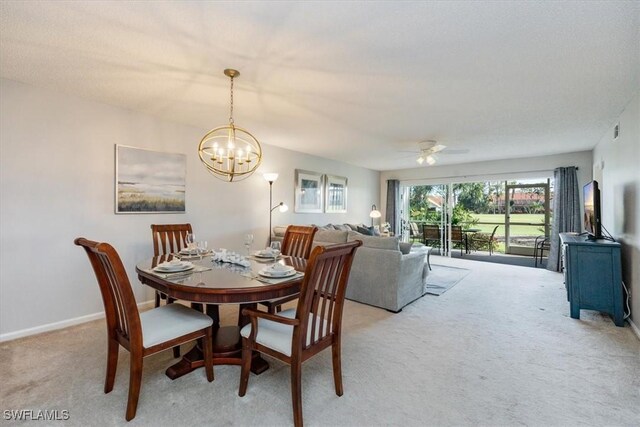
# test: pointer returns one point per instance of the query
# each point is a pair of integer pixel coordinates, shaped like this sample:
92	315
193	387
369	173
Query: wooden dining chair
295	335
297	243
142	334
168	239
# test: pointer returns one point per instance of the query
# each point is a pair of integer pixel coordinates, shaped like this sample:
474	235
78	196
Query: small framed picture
309	192
336	194
149	181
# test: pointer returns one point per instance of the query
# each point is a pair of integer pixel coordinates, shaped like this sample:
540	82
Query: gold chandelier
230	153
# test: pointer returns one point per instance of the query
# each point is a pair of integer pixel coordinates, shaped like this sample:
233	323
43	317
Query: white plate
272	274
188	252
166	268
262	255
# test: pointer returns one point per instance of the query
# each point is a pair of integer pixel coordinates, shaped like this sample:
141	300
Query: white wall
532	167
57	183
616	166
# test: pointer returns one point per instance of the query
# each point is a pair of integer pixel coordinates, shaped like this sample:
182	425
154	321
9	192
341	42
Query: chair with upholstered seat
168	239
142	334
295	335
297	243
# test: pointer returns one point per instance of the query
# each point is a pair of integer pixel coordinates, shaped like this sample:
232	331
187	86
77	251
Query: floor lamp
375	213
271	178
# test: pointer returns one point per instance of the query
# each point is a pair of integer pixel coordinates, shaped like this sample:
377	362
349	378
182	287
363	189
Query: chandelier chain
231	106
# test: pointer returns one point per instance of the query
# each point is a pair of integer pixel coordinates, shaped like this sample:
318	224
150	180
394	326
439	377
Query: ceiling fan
429	149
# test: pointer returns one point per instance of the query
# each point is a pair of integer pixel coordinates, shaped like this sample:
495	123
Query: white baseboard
63	324
634	328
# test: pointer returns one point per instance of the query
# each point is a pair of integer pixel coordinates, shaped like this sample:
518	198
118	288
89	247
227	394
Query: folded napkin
278	268
265	252
231	257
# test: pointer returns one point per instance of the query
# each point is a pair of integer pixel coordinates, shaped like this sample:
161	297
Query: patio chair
414	232
431	235
541	244
481	239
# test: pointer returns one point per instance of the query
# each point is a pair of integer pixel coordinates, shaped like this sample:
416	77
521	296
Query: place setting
176	267
276	273
268	254
194	249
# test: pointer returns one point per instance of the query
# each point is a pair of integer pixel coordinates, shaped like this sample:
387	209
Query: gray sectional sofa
385	273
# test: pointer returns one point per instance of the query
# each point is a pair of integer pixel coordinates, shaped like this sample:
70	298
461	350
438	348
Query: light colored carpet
441	278
497	349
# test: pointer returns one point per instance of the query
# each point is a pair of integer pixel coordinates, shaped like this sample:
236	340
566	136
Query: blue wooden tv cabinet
592	275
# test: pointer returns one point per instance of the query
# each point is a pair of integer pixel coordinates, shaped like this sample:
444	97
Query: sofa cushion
330	236
405	247
365	230
342	227
279	231
375	242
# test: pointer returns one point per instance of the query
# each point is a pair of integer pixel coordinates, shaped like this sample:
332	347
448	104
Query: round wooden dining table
207	286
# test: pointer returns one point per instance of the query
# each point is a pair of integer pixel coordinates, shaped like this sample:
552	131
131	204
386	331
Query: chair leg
157	304
296	391
337	366
135	380
207	343
112	364
246	367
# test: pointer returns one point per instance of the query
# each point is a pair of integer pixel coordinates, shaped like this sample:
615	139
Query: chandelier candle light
271	178
230	153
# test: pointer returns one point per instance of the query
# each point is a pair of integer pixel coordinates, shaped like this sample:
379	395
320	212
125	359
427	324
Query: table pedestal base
227	350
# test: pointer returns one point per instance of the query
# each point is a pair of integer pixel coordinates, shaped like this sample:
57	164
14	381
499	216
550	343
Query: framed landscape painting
308	192
149	181
336	194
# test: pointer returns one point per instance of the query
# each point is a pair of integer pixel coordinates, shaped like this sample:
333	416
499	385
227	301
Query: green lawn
516	230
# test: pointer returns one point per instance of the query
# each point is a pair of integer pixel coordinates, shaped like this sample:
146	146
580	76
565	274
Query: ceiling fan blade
459	151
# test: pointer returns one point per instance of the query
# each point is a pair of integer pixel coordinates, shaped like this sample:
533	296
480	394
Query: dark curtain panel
393	201
566	211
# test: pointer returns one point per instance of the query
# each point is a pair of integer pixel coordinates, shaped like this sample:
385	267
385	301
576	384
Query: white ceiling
352	81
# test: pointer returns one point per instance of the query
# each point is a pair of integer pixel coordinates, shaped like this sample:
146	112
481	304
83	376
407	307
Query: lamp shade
270	176
375	213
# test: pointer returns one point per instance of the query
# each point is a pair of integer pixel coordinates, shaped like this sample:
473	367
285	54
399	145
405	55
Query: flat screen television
592	219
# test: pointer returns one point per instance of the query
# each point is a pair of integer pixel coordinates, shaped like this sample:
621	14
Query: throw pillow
405	247
365	230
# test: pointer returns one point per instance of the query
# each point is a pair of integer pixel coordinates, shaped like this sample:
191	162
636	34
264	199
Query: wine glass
190	239
248	240
275	250
202	248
